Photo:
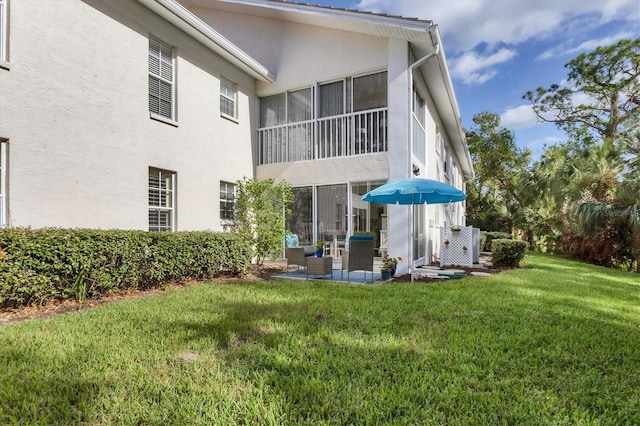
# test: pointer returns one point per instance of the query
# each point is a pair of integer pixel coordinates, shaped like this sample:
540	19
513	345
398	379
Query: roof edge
198	29
414	24
453	102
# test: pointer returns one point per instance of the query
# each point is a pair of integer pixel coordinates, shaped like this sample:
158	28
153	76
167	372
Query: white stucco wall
299	55
74	108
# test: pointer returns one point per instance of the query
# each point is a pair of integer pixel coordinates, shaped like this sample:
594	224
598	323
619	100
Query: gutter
199	30
444	70
412	68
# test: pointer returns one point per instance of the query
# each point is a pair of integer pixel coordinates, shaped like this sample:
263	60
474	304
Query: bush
486	238
506	252
605	247
46	264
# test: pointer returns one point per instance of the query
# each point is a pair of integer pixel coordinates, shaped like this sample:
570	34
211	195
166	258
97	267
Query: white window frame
167	193
165	59
3	183
225	189
4	31
228	94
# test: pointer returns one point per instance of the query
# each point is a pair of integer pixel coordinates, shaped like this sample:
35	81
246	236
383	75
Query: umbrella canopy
414	191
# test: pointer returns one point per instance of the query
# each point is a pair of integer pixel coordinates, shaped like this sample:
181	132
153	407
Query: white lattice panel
459	250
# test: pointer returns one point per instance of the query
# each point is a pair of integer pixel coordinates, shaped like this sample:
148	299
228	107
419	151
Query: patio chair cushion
359	238
291	240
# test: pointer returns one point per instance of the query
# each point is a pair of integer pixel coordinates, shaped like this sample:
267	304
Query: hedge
487	237
40	265
506	252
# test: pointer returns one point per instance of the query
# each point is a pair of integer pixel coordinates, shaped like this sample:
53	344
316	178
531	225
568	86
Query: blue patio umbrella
414	191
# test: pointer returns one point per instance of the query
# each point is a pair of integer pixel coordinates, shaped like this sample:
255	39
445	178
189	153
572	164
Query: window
161	77
227	200
161	200
228	98
370	92
3	182
4	30
418	107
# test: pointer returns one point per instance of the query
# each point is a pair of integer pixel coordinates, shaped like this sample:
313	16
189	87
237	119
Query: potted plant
464	248
446	242
389	265
319	248
455	228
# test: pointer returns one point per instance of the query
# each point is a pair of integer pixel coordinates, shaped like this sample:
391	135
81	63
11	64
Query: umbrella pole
412	225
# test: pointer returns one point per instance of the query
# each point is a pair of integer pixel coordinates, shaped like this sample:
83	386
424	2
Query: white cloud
584	46
467	23
518	117
473	68
538	145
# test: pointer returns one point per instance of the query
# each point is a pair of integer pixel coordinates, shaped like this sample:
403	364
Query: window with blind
228	98
161	200
161	79
4	30
227	200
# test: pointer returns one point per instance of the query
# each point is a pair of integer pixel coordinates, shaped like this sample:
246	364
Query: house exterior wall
299	55
302	55
74	110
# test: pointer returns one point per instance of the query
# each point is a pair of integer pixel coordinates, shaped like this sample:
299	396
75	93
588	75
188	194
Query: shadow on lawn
325	369
52	392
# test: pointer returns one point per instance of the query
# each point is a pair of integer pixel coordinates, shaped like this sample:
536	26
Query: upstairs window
228	98
161	79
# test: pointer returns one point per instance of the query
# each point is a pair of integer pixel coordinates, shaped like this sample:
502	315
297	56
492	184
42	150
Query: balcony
345	135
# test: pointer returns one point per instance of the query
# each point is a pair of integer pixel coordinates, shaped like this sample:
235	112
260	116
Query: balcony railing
338	136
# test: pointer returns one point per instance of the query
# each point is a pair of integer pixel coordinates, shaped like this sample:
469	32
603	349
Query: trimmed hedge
56	264
486	238
506	252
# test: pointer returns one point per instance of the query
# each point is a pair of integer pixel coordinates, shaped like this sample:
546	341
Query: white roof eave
436	74
199	30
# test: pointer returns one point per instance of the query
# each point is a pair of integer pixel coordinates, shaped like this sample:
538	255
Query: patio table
319	266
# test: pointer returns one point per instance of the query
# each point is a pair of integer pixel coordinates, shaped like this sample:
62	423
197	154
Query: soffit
351	20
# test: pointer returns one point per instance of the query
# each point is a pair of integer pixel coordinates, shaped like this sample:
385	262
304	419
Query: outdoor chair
294	254
358	256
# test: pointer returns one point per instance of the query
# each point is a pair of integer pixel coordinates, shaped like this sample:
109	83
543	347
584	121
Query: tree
497	198
593	179
601	95
260	215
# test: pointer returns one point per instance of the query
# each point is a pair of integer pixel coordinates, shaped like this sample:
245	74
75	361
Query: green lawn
556	342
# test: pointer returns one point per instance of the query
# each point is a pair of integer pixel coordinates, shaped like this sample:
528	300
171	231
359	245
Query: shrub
486	238
506	252
45	264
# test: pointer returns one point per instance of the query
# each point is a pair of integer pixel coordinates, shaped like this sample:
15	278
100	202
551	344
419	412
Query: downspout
412	67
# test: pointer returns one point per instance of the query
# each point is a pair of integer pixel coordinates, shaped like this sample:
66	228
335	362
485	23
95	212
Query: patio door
332	216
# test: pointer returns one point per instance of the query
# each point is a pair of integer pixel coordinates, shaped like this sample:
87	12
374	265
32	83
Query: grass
556	342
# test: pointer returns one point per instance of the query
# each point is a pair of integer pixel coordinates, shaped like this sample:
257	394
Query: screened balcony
339	136
336	119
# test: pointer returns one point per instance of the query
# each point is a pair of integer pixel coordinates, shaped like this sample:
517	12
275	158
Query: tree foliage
591	182
260	215
601	94
497	196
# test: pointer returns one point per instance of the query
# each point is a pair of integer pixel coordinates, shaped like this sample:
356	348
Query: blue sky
497	50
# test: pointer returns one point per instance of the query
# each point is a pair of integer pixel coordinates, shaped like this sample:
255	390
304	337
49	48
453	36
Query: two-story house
141	114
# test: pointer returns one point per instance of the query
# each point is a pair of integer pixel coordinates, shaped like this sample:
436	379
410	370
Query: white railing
338	136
